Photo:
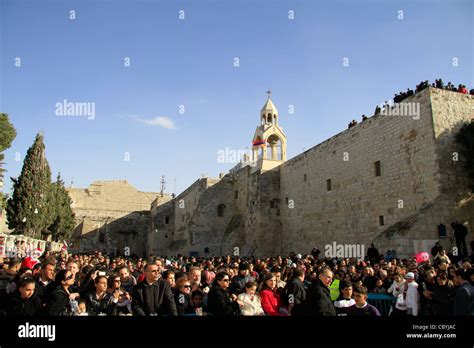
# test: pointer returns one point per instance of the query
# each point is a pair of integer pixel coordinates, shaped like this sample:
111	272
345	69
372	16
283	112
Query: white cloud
161	121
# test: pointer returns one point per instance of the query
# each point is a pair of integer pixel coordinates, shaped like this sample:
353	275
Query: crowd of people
399	97
297	285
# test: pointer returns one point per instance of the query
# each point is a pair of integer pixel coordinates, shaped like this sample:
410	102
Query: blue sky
190	62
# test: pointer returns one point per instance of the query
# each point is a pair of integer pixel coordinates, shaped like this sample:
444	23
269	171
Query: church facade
391	179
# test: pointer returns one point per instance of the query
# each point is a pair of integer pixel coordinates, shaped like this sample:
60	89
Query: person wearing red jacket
271	301
462	89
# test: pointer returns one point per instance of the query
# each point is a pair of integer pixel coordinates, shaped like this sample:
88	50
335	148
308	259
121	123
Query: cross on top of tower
269	92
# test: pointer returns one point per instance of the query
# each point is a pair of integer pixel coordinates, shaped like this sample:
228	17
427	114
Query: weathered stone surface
276	207
289	207
112	216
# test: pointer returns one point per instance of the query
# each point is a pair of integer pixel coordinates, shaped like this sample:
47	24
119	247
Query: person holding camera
60	302
100	302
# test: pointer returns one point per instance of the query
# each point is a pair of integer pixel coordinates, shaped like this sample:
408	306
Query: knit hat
410	275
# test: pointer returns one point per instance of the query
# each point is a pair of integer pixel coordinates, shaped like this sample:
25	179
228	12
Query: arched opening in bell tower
274	148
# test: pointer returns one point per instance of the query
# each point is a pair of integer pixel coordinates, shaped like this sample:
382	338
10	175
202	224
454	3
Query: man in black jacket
44	281
464	298
295	293
318	299
153	296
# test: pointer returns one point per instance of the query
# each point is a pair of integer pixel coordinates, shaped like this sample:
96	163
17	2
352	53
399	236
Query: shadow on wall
235	212
126	235
455	203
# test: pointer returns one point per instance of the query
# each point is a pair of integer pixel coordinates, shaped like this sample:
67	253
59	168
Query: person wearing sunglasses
153	296
182	296
59	302
219	302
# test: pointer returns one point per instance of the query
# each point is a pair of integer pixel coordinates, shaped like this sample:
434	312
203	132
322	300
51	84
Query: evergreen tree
7	135
465	140
63	222
29	210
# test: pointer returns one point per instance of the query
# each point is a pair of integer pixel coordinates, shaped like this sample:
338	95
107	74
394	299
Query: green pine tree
63	223
29	210
7	135
465	140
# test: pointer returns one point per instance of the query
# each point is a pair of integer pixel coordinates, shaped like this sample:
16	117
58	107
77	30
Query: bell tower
269	141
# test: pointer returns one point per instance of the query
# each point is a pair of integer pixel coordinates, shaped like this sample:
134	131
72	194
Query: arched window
167	220
275	147
221	210
269	118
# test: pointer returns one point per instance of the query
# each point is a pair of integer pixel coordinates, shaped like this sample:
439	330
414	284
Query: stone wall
450	111
273	208
245	223
112	216
410	194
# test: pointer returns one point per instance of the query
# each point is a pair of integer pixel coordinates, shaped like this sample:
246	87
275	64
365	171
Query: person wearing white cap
413	297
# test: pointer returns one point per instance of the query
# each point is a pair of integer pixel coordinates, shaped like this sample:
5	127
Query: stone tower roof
269	107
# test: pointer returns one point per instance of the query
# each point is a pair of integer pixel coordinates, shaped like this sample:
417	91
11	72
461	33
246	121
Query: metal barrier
382	302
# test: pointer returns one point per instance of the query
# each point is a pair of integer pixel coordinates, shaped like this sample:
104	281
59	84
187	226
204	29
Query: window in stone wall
221	210
274	203
236	194
305	177
167	220
286	200
206	250
182	218
378	168
381	220
329	185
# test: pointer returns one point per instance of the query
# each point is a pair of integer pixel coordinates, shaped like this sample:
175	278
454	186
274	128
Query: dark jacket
295	295
183	303
369	282
237	286
58	303
28	307
219	303
442	300
318	300
86	287
106	305
43	291
156	298
6	277
464	300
